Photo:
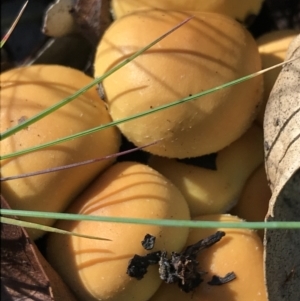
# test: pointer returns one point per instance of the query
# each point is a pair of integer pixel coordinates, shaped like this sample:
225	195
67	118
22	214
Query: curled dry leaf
58	20
282	159
25	274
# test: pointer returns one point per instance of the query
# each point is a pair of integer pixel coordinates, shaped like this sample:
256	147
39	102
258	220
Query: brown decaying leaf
25	274
21	274
92	17
282	159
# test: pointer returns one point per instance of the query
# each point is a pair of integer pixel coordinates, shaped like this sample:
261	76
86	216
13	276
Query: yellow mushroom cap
236	9
272	47
239	251
27	91
209	191
254	200
209	50
95	269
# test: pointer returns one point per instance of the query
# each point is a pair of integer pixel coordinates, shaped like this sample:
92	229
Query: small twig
63	167
12	27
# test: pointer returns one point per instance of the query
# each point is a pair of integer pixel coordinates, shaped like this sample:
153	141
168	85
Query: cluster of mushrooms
209	50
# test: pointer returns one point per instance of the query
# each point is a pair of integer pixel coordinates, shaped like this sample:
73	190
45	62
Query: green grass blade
15	222
139	115
68	99
156	222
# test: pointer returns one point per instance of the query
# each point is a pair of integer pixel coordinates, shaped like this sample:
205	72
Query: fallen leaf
282	160
58	21
25	274
92	17
22	278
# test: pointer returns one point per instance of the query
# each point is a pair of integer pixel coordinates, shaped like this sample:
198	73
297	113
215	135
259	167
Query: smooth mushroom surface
96	269
215	190
208	51
240	10
27	91
239	251
253	203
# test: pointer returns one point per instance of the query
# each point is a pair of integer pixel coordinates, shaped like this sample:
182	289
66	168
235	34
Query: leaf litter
282	161
21	272
180	268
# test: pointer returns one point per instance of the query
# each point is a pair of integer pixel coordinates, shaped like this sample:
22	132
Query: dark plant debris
138	265
92	17
217	280
148	242
180	268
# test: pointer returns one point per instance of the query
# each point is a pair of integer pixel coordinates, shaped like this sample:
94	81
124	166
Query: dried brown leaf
25	274
92	17
282	159
22	277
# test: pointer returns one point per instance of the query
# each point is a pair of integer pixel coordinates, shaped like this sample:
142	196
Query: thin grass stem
12	27
15	222
68	99
145	113
73	165
156	222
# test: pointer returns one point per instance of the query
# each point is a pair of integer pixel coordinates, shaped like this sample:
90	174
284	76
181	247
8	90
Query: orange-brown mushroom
96	270
27	91
240	10
240	251
210	50
254	200
211	191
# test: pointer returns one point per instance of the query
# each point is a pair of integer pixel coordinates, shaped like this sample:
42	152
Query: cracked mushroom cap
208	51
